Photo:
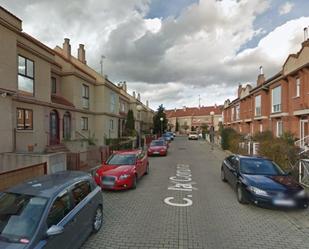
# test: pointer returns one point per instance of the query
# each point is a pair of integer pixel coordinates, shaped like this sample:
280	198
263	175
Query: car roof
49	185
127	152
250	157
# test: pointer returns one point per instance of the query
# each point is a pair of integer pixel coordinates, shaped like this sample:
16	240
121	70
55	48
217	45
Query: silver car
54	211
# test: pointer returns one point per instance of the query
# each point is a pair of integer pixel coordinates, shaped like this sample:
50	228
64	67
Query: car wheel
134	182
223	179
147	169
240	195
97	220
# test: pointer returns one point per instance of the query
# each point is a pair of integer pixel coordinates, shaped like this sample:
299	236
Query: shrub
281	150
230	140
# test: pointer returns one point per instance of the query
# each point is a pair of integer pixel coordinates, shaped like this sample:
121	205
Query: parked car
165	141
171	134
168	137
193	135
122	170
54	211
262	182
157	147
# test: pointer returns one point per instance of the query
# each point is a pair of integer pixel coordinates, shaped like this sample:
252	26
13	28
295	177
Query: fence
304	172
93	157
250	147
13	177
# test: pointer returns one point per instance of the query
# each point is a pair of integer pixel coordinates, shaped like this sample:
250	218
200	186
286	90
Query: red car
122	170
157	147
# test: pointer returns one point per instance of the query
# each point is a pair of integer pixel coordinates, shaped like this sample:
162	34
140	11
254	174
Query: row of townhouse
194	118
279	104
48	96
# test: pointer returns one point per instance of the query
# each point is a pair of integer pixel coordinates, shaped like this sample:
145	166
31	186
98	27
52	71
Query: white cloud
172	60
286	8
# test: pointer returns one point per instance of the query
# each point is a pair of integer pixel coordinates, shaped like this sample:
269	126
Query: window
80	191
232	116
279	128
112	102
261	127
297	87
258	105
53	85
111	124
25	75
85	96
237	112
122	107
60	208
276	99
24	119
84	123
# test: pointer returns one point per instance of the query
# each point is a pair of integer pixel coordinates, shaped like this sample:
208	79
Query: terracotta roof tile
193	111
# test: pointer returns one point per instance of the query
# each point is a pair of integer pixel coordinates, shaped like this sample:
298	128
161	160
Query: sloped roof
193	111
61	100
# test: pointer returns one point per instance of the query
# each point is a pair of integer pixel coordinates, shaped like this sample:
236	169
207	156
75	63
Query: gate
304	172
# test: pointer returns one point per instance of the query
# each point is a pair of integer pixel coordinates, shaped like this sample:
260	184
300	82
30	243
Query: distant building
194	118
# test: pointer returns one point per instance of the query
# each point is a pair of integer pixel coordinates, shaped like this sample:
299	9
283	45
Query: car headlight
125	176
301	193
258	191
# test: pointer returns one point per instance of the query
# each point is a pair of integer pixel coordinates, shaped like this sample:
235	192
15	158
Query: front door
54	128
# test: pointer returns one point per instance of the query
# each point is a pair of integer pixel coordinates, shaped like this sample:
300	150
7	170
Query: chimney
261	77
139	97
147	103
175	110
134	95
81	53
239	90
67	48
306	40
184	108
124	86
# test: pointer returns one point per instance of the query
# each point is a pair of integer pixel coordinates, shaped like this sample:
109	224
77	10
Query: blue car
262	182
57	211
168	137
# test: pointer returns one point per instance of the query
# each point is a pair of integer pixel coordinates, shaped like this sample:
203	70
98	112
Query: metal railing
303	144
303	172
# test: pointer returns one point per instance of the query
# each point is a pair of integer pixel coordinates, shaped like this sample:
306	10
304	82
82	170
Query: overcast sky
172	51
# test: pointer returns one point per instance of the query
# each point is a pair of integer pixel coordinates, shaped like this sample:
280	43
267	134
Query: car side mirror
54	230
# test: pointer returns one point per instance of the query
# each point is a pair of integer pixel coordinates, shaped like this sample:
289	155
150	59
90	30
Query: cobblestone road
140	218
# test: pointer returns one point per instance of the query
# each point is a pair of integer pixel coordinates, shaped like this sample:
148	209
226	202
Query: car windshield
122	159
19	216
259	167
157	143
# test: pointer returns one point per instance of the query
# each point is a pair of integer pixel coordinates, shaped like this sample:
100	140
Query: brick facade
279	104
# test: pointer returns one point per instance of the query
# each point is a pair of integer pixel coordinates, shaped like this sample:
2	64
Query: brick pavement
140	219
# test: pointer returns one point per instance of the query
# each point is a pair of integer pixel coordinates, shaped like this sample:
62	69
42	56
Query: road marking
182	181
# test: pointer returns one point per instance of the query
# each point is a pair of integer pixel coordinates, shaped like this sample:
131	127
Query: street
210	216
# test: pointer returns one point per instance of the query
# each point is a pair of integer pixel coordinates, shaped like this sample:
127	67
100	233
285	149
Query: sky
173	52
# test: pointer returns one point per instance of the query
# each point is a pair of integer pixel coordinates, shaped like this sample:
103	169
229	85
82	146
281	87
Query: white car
193	135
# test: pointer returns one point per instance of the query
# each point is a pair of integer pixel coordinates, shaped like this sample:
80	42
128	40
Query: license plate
156	153
108	183
287	203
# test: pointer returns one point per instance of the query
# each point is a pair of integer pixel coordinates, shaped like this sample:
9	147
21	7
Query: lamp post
161	119
139	108
212	129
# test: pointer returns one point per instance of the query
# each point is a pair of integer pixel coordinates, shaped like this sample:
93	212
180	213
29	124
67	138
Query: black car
262	182
56	211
